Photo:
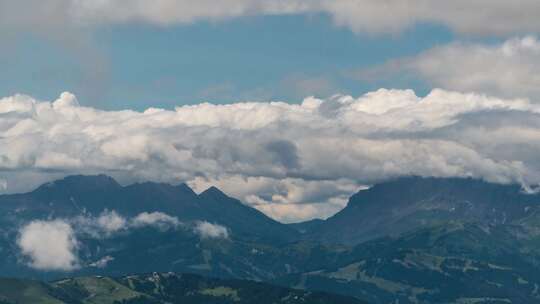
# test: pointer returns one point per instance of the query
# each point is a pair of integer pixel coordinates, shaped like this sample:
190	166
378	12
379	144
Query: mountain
412	239
409	203
156	288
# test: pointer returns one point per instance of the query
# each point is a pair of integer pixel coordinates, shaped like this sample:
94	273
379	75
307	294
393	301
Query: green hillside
157	288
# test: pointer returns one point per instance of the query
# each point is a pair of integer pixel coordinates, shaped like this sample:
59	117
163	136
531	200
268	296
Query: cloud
208	230
481	17
156	219
275	154
508	69
104	225
50	245
111	222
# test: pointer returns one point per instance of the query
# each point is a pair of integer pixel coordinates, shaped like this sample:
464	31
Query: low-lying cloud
273	155
53	244
207	230
156	219
109	223
49	245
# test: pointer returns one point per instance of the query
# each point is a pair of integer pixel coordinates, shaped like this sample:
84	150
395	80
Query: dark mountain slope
406	204
234	213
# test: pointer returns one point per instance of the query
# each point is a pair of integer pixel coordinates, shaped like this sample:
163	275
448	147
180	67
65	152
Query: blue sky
247	58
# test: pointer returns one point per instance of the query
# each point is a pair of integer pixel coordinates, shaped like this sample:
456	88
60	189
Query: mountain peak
84	183
214	192
185	188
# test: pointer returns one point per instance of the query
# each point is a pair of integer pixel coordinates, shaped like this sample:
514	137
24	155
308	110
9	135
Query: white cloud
374	16
105	224
50	245
111	222
480	17
208	230
156	219
275	154
508	69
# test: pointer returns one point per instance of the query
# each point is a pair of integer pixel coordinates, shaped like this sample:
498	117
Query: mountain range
407	240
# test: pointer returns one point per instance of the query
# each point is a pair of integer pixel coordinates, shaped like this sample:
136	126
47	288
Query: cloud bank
480	17
293	161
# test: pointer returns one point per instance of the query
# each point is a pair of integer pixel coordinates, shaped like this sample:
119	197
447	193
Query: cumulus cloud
508	69
208	230
272	155
491	17
50	245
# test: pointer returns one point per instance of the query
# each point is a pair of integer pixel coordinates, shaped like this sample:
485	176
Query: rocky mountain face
410	240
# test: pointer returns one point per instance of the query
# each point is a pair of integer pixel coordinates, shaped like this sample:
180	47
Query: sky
291	106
